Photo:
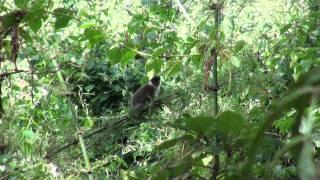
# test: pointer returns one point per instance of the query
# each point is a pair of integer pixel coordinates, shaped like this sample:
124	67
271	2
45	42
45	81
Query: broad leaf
196	59
158	52
235	61
200	125
128	57
230	122
115	55
21	3
154	65
239	45
93	35
25	35
63	16
172	142
35	24
173	67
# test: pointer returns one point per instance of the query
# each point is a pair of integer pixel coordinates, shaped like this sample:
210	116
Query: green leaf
173	67
115	54
182	167
89	87
196	59
63	16
127	57
306	64
158	52
230	122
222	36
35	24
154	65
178	126
200	125
239	45
88	124
212	34
172	142
61	22
12	18
25	35
285	28
62	12
39	4
235	61
28	134
285	124
93	35
88	25
21	3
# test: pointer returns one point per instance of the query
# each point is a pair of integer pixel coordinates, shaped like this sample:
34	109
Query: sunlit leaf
88	123
28	134
235	61
88	25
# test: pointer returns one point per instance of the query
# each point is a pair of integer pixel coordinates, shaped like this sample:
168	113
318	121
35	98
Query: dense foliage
239	97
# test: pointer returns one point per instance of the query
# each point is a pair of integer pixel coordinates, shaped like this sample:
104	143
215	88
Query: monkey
143	98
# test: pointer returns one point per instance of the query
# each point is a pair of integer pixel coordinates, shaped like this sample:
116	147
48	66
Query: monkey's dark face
156	81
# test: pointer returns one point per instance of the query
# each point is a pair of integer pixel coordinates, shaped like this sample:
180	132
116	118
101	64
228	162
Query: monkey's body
143	98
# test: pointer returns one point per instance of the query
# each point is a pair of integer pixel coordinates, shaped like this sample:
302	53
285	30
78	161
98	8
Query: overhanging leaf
235	61
200	125
239	45
196	59
25	35
93	35
35	24
127	57
172	142
63	16
21	3
173	67
230	122
115	54
154	65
